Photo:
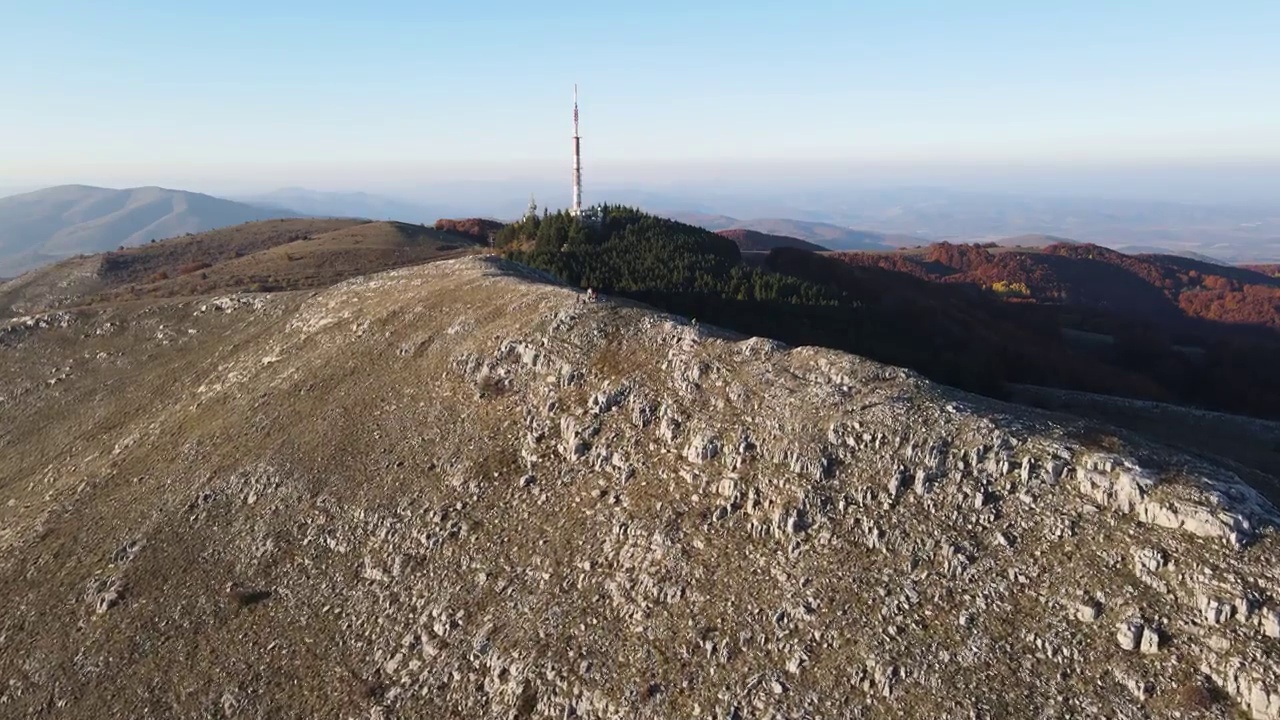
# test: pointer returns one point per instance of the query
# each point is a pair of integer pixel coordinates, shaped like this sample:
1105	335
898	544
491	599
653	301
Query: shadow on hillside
954	330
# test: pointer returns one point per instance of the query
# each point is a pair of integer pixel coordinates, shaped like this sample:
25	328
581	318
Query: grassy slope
291	450
269	255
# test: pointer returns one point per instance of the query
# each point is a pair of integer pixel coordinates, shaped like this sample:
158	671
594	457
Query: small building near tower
593	216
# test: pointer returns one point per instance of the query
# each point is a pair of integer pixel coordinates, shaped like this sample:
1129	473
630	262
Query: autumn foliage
1153	326
476	228
1161	287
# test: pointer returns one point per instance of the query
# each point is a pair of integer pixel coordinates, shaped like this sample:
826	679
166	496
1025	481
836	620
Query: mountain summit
463	490
54	223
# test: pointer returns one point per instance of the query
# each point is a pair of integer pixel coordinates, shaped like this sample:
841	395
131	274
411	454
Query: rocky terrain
460	490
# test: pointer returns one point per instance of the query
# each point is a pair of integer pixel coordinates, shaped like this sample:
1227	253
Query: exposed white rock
1123	489
1197	519
232	303
702	448
1149	559
1216	612
1129	634
980	499
1088	610
1258	696
896	483
1151	640
1269	621
714	527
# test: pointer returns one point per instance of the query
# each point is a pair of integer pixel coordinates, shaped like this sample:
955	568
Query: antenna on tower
577	158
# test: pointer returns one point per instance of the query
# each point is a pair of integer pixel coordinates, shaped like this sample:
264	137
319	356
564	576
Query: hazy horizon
1157	102
1237	183
1151	208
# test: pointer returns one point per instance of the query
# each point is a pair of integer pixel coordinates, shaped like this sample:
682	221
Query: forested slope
935	315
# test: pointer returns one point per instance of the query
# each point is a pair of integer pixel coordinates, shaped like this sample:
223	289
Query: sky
376	95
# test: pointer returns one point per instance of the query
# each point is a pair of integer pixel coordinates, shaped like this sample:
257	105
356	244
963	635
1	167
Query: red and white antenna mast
577	157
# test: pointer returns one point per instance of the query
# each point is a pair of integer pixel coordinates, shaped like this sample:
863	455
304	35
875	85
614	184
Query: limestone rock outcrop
456	490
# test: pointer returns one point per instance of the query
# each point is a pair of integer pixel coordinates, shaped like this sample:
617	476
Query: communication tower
577	158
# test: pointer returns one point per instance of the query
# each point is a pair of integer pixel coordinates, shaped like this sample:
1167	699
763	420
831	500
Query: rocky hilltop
460	490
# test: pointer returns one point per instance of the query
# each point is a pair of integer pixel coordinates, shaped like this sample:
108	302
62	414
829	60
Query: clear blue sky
137	88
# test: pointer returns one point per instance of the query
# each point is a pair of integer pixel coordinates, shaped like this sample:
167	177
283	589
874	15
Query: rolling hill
480	229
302	201
1229	232
58	222
755	241
1169	289
292	254
1032	241
1154	250
834	237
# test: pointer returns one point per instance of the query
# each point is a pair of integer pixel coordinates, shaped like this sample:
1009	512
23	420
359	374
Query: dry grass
1200	695
268	256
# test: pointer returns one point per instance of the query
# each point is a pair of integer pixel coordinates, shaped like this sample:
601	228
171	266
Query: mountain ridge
270	255
828	235
304	201
756	241
67	220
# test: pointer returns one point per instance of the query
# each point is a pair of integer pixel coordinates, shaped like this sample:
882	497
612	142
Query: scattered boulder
1269	620
702	448
1217	612
1088	610
1151	640
1149	560
1129	634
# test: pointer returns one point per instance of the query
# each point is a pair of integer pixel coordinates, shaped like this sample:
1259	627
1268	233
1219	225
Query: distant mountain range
42	226
1233	233
767	233
46	225
347	204
1153	250
1032	241
829	236
755	241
